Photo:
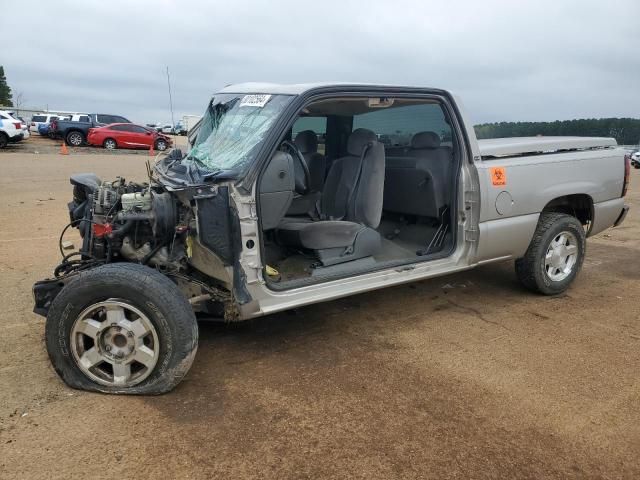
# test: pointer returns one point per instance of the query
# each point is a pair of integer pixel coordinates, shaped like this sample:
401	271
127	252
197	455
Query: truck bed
515	146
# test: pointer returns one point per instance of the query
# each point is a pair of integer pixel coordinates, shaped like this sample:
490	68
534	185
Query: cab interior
358	184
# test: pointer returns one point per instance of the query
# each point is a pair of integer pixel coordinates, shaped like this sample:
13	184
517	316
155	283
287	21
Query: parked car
127	135
74	132
187	123
166	128
635	159
249	222
43	129
39	119
23	126
11	130
25	130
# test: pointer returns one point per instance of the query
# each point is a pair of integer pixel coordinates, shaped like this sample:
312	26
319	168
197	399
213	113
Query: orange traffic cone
63	149
152	152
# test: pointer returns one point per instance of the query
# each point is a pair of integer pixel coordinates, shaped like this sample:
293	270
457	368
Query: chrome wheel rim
114	343
161	145
75	139
561	257
110	144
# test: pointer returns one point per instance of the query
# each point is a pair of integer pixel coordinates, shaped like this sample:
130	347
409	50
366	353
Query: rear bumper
16	138
622	216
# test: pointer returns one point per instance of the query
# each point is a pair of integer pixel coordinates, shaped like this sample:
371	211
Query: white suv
10	129
39	119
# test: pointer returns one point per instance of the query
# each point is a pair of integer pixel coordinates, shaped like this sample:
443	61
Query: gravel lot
466	376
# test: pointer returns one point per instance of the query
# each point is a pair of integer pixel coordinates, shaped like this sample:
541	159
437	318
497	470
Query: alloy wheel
114	343
561	256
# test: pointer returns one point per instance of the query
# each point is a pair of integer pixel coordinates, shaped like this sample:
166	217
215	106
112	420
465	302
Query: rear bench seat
419	183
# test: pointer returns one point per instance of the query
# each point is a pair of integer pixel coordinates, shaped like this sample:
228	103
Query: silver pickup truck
295	194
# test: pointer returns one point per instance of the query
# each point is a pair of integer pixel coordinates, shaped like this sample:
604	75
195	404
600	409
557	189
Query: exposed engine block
132	221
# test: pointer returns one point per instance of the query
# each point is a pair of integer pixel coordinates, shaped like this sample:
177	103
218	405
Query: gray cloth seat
307	143
350	207
419	183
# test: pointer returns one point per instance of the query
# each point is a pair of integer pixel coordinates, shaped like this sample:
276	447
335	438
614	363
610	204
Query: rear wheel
4	140
110	144
555	255
75	139
121	328
161	145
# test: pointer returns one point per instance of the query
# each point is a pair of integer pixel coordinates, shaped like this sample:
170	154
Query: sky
507	60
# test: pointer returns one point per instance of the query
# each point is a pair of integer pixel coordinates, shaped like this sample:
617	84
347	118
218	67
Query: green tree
625	130
5	90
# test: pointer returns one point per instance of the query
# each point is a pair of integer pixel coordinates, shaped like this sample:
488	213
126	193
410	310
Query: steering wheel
302	175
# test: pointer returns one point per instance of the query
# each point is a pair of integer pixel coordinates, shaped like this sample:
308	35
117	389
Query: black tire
531	269
75	138
4	140
161	145
110	144
143	288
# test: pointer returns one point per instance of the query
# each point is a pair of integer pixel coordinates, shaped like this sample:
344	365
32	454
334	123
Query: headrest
358	139
307	141
425	140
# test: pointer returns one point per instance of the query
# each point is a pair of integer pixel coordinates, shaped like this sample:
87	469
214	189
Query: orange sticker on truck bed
498	176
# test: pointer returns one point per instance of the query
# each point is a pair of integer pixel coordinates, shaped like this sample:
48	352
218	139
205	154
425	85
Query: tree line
625	130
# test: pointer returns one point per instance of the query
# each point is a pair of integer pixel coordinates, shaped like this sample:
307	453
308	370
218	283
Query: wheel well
579	205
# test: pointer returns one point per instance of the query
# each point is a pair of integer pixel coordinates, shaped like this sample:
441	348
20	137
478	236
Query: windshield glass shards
232	129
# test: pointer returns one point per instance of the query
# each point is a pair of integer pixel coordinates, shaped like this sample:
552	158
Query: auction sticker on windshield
254	100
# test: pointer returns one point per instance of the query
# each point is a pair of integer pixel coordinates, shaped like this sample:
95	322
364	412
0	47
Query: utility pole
173	123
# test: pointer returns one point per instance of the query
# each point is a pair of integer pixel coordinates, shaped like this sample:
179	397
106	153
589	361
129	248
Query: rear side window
395	126
119	128
107	119
116	119
84	118
137	129
39	118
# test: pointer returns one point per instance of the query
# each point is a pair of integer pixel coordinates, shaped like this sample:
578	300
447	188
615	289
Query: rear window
39	118
396	126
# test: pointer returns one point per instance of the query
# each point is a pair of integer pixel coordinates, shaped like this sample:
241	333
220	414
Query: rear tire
4	140
121	328
555	255
75	139
110	144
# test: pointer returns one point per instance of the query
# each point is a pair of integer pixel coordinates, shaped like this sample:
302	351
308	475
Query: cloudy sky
508	60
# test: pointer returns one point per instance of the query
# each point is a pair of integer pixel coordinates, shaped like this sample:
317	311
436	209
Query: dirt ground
466	376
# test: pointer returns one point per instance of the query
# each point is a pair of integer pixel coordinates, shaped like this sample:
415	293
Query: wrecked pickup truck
296	194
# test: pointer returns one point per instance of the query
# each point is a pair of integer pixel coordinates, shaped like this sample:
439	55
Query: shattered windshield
232	129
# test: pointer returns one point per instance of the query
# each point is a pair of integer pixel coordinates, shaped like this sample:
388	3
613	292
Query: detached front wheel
121	328
555	255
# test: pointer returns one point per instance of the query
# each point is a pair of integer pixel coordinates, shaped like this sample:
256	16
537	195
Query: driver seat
349	209
307	143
